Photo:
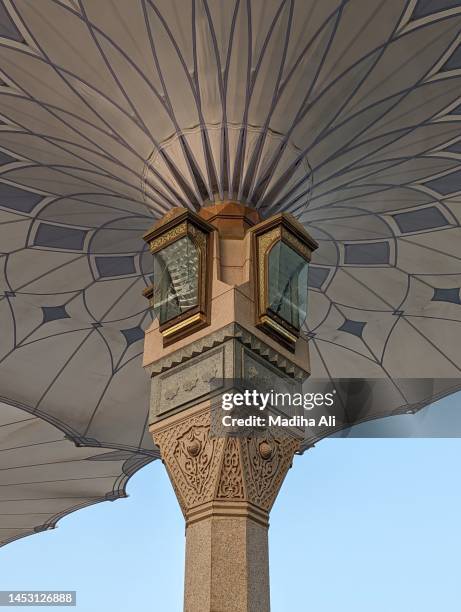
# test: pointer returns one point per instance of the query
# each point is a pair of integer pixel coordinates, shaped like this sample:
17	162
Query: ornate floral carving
231	481
194	454
263	469
266	450
170	392
190	383
191	457
266	461
205	469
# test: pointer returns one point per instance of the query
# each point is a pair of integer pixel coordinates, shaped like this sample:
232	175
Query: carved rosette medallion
191	458
193	454
266	462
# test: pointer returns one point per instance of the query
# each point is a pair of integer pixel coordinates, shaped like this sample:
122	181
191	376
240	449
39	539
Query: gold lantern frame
177	224
279	228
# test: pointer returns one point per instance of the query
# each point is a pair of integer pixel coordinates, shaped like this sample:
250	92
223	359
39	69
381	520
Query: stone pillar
226	488
225	485
227	565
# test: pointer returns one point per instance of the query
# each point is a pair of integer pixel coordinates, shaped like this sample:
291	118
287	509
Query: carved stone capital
233	476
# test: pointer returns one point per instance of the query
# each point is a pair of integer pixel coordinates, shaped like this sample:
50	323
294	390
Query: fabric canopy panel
346	114
44	476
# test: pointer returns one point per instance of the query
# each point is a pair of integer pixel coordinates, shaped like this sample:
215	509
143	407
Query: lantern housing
282	249
180	295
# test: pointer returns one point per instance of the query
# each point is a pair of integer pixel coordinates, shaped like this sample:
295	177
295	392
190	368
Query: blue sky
361	525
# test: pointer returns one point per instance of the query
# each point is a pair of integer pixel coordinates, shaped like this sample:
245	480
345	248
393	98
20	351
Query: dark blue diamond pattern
353	327
133	334
54	313
447	295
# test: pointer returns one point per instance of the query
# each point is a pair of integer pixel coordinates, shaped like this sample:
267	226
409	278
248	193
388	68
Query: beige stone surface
227	567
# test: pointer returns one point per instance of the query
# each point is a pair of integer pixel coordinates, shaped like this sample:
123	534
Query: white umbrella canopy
345	113
44	475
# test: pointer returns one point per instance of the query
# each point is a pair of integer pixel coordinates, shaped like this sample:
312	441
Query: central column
227	565
225	483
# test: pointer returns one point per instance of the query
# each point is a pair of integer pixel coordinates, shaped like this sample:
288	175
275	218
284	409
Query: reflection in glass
176	276
288	284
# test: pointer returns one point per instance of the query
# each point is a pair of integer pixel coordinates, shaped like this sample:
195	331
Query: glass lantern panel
287	277
176	279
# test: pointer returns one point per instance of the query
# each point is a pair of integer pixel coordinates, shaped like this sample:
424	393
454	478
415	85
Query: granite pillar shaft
227	565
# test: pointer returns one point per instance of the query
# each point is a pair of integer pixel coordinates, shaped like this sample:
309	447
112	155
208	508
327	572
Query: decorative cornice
231	331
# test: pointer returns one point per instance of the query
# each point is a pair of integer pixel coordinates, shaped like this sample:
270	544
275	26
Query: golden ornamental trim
264	242
297	244
169	236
